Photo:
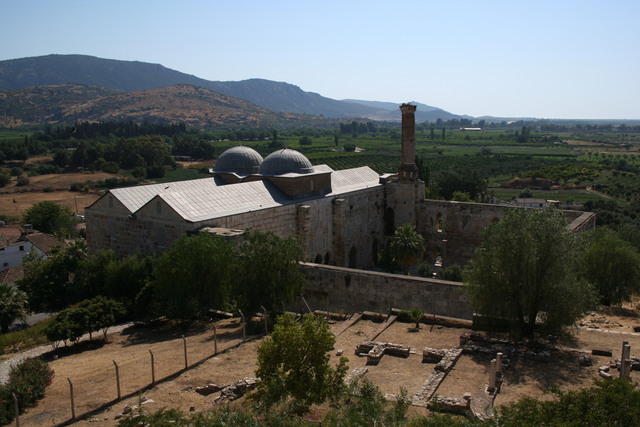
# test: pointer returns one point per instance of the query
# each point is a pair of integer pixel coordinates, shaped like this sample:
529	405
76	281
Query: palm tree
406	246
415	314
13	305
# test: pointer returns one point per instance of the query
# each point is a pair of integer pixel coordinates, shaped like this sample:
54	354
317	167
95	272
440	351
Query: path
5	367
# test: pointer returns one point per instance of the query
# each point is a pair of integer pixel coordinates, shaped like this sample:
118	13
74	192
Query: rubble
375	350
432	355
208	389
454	405
236	390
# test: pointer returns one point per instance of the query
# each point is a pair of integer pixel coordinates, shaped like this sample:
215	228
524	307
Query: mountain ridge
137	75
196	106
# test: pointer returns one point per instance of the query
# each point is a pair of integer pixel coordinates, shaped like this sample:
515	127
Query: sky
555	59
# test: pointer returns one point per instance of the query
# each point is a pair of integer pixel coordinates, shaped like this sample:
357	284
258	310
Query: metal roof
133	198
203	199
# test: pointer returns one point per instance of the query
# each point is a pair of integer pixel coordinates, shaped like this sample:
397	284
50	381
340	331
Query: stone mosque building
341	217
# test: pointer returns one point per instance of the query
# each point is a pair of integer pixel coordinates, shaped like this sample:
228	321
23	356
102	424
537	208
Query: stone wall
453	230
348	290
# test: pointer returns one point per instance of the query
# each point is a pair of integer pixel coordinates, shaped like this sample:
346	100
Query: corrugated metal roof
135	197
346	180
198	204
203	199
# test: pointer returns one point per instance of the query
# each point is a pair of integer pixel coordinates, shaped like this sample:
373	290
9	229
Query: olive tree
525	272
294	363
194	275
268	273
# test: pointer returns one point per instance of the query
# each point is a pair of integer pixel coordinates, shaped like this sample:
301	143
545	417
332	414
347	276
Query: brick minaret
408	169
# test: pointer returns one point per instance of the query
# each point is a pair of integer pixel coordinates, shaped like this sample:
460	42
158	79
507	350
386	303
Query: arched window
439	223
318	259
327	258
389	221
353	257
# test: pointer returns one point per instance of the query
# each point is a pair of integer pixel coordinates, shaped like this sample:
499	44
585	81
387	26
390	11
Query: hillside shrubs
28	380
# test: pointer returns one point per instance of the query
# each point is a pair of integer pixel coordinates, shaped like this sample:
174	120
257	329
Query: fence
120	379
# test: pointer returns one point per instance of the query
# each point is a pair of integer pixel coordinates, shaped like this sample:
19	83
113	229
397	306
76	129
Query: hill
388	111
196	106
135	75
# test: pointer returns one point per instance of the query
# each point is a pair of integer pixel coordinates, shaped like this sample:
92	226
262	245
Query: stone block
601	352
432	355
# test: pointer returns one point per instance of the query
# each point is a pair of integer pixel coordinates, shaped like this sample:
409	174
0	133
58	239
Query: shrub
22	180
28	380
5	178
293	363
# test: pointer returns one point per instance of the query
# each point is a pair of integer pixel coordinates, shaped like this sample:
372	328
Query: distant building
35	243
471	129
530	202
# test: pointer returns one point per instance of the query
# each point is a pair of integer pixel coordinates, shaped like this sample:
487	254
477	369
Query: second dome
285	161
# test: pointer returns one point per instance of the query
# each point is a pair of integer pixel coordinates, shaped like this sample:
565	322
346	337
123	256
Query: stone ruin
375	350
236	390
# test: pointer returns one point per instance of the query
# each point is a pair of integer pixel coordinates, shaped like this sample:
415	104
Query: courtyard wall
348	290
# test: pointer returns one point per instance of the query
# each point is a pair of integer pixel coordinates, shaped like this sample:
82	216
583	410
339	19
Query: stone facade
346	229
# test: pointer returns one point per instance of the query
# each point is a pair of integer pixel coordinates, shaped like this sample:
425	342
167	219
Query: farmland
582	166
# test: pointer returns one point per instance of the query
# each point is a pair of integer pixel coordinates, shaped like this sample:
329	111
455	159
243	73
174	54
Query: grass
25	338
181	174
578	196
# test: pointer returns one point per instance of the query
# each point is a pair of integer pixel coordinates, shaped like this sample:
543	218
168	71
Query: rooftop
203	199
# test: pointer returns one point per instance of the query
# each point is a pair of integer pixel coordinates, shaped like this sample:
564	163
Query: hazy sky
565	59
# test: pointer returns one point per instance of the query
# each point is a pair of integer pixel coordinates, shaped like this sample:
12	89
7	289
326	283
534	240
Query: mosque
340	217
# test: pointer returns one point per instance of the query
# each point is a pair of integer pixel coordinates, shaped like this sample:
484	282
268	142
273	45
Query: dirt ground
57	181
92	370
14	204
93	374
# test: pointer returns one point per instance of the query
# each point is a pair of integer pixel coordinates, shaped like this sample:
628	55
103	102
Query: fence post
153	369
244	326
73	406
117	379
266	327
15	402
184	346
305	303
215	339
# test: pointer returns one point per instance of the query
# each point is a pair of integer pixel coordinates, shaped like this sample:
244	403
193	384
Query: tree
104	313
294	362
50	217
416	315
305	140
613	402
525	271
406	246
461	196
13	305
612	265
267	272
5	178
49	283
365	405
193	276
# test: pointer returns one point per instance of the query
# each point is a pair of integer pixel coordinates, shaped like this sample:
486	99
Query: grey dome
240	160
285	161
